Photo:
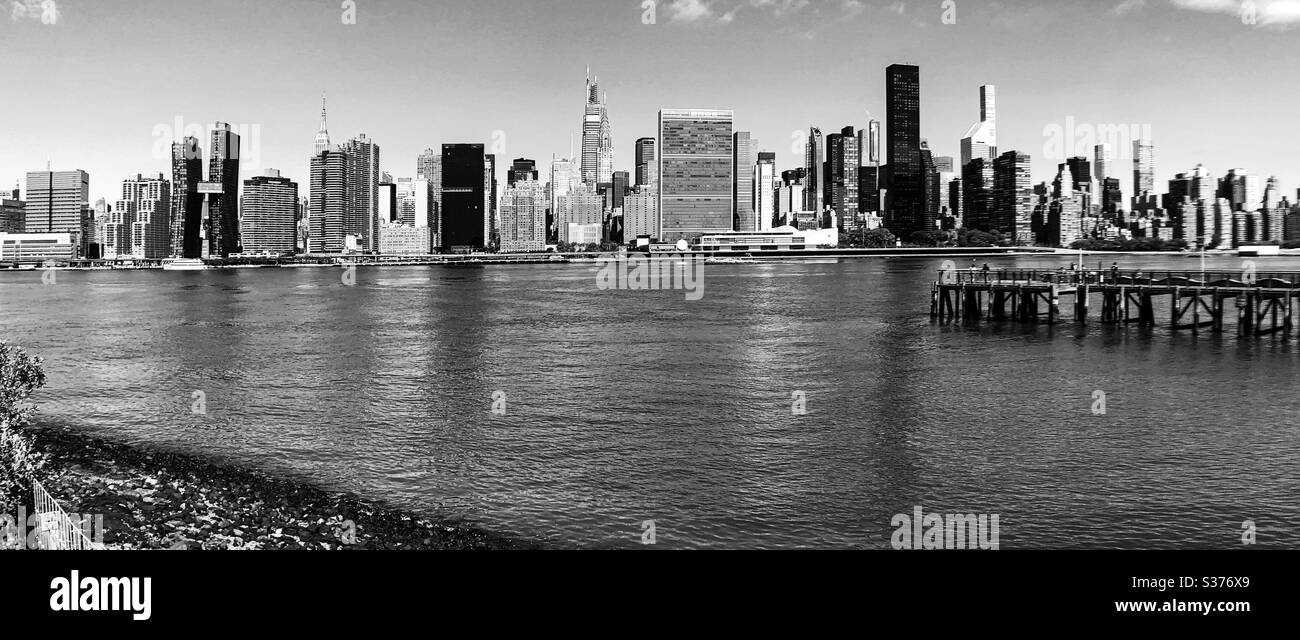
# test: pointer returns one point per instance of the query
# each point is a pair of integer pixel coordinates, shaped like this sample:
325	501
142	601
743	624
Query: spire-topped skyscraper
322	136
597	141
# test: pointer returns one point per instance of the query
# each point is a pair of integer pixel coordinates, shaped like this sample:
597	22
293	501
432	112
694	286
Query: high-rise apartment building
270	210
523	217
745	156
186	228
844	160
223	207
331	200
1013	197
764	191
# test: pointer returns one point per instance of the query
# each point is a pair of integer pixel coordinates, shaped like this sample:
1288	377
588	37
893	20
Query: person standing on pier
1114	273
986	272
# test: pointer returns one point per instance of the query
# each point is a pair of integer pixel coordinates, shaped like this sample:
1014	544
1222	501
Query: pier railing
1093	277
55	529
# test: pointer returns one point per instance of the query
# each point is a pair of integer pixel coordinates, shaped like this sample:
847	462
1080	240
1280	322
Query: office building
57	202
465	201
597	141
981	140
696	165
520	170
906	195
646	166
814	160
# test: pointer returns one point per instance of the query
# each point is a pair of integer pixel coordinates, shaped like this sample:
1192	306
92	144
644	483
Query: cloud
690	11
1127	6
1277	14
46	11
853	7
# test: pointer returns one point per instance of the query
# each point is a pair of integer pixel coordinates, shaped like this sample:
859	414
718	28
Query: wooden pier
1259	304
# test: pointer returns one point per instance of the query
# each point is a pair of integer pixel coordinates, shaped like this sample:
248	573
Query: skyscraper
696	166
323	134
223	208
362	218
429	165
906	193
981	140
57	202
744	155
764	191
1144	172
186	229
523	217
331	200
597	140
1013	197
977	194
1104	156
270	206
465	218
813	160
521	169
149	230
844	159
645	162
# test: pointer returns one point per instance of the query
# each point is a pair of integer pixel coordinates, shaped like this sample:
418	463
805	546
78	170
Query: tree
879	239
20	375
928	238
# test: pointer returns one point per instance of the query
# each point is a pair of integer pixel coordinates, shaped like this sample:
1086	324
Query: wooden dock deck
1262	303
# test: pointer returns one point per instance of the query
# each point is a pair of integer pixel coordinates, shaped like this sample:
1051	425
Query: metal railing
55	529
1279	280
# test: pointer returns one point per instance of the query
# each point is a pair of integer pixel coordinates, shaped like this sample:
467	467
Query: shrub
20	375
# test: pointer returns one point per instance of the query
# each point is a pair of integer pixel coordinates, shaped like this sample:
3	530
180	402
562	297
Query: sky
105	85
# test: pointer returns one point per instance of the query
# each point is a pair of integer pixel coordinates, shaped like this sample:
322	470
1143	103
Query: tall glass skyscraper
186	229
645	162
981	140
597	139
812	182
844	159
223	208
906	193
57	202
464	198
696	167
744	153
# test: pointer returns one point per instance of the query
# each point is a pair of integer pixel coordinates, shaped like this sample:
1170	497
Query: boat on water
183	264
730	261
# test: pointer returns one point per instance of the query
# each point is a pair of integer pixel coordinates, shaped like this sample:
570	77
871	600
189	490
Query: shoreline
483	260
155	499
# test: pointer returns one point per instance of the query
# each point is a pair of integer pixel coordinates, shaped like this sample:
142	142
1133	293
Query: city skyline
549	122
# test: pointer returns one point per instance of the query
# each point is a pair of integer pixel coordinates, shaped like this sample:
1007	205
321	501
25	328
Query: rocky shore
161	500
